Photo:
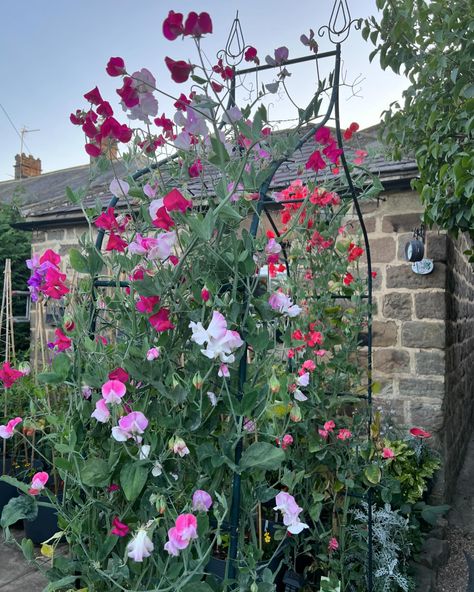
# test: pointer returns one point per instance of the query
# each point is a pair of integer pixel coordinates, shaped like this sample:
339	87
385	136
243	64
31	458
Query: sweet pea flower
160	321
9	375
212	398
329	425
101	413
175	201
86	391
299	395
113	391
205	294
119	188
130	426
202	501
6	431
223	371
38	483
181	534
289	508
61	343
119	528
286	441
198	24
283	304
388	453
344	434
140	546
323	433
152	354
303	380
221	342
178	446
180	70
173	25
115	67
119	374
144	451
420	433
316	162
333	544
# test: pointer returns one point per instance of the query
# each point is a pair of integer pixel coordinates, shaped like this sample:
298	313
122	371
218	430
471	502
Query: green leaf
18	508
61	365
15	483
95	472
58	584
198	79
197	587
203	227
262	455
227	212
373	474
49	378
78	261
28	549
133	477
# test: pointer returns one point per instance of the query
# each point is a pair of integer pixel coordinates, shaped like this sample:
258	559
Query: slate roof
43	200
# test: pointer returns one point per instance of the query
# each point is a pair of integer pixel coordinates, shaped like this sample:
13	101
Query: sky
53	52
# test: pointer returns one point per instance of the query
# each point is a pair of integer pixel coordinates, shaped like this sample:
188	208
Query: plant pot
7	492
44	525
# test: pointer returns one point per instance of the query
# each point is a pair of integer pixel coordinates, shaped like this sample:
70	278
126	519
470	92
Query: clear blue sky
52	52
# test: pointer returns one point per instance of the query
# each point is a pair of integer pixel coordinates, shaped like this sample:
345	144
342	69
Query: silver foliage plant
391	546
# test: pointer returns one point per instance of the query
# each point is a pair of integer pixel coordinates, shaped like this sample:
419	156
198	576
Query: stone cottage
423	326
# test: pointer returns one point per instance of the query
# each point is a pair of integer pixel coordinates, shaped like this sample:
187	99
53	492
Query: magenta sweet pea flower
9	375
388	453
113	391
115	67
198	24
333	544
180	70
160	321
94	97
119	528
316	162
173	25
6	431
175	201
420	433
62	341
38	483
202	501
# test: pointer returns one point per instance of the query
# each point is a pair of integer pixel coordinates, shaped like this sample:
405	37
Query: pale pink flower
289	508
149	191
388	453
333	545
223	371
202	501
299	395
140	546
152	353
130	426
212	398
119	188
178	446
113	391
101	412
38	483
344	434
303	380
86	391
283	304
286	441
181	534
221	342
323	433
272	247
6	431
249	425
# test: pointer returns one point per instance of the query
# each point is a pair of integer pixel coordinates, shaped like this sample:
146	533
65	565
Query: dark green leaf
262	455
19	508
133	477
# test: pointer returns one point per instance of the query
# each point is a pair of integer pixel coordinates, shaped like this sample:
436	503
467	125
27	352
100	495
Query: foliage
431	43
15	245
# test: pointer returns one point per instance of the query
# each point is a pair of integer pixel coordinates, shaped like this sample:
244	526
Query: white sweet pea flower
140	546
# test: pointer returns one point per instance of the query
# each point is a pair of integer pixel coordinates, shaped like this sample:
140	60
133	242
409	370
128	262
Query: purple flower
202	501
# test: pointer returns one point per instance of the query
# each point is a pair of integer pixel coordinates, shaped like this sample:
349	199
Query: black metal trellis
337	30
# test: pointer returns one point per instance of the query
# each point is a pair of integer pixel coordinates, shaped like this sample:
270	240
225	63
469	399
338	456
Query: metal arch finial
339	22
233	53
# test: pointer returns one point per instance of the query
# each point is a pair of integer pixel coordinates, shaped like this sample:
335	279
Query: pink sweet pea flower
180	70
202	501
6	431
329	425
62	342
152	354
420	433
315	162
175	201
309	365
93	96
223	371
113	391
9	375
344	434
303	380
38	483
119	528
333	545
181	534
130	426
115	67
283	304
195	169
289	508
160	321
388	453
286	441
323	433
140	546
147	304
178	446
101	413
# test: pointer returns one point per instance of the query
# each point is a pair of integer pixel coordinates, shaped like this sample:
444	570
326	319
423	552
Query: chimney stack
26	166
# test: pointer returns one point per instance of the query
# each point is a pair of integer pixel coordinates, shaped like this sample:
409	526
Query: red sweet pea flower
115	67
160	321
93	96
323	135
348	279
53	284
119	374
62	342
175	201
250	55
119	528
116	243
354	252
111	127
107	220
420	433
77	118
180	70
90	129
195	169
216	87
128	93
332	152
198	25
163	219
182	102
315	162
9	375
225	71
173	25
93	150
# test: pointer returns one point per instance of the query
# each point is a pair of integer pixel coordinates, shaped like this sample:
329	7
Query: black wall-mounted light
415	248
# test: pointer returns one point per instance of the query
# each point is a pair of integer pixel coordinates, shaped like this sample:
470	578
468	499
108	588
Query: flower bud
274	384
24	368
295	413
197	381
69	324
205	294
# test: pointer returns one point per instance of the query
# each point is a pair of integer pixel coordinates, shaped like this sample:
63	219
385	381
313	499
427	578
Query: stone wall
458	404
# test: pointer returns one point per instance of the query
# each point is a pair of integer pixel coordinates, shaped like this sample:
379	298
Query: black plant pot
7	492
44	525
